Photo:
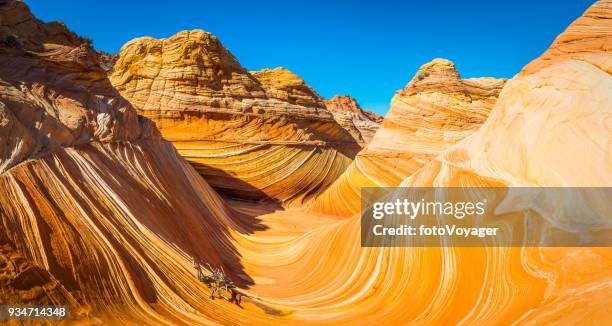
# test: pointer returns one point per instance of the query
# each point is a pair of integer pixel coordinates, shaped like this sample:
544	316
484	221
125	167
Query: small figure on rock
219	283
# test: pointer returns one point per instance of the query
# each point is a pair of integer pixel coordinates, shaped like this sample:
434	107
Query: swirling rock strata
549	127
260	135
97	212
362	124
53	93
117	225
114	224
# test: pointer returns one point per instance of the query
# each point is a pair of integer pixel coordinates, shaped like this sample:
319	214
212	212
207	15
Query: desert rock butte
111	187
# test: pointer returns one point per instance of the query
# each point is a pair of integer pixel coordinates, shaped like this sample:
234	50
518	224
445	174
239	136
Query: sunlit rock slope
97	212
253	135
549	127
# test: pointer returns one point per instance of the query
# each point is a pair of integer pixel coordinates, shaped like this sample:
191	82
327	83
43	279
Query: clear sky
367	49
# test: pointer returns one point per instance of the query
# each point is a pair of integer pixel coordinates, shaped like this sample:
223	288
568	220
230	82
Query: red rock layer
362	124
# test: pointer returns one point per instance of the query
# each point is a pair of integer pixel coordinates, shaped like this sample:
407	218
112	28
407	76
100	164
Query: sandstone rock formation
362	124
588	39
22	282
107	61
435	110
44	67
549	127
281	84
97	212
100	213
550	121
260	135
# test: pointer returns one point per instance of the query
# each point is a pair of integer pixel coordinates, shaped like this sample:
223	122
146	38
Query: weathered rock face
110	225
22	282
550	126
44	67
362	124
97	211
280	83
107	61
261	135
435	110
117	226
588	39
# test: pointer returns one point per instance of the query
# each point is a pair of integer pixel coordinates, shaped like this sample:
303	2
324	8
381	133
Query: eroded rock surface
550	126
97	212
53	93
115	221
260	135
435	110
362	124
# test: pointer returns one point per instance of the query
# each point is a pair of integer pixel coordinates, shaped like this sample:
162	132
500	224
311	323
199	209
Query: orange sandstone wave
259	135
98	211
545	126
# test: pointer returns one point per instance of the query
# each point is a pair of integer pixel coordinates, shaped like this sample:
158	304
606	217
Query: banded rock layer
111	224
549	127
587	39
97	212
261	135
53	93
435	110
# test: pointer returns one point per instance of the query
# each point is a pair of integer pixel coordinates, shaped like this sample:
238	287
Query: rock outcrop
550	126
435	110
362	124
281	84
44	67
97	212
587	39
264	135
107	61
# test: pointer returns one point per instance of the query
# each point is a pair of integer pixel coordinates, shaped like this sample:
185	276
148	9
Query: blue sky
367	49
